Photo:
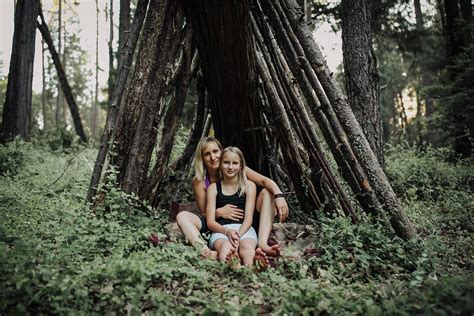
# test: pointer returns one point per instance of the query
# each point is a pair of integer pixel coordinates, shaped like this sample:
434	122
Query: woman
270	201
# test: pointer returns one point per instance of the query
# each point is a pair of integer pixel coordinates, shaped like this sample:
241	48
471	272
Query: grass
58	257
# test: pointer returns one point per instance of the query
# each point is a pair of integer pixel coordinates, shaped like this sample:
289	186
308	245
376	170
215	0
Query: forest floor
58	257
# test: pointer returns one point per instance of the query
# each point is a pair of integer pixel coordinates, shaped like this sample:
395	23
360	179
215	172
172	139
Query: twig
67	166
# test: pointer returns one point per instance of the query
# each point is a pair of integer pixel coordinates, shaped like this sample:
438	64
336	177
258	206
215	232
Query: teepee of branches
268	89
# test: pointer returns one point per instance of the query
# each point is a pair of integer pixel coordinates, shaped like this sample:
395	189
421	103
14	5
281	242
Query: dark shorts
255	222
204	229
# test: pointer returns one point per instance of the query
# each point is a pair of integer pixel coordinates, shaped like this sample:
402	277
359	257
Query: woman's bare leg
247	251
266	207
190	224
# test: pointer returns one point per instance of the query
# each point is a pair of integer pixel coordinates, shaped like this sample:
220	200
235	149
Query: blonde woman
270	202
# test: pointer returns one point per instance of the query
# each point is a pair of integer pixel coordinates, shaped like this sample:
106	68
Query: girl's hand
281	209
231	212
234	237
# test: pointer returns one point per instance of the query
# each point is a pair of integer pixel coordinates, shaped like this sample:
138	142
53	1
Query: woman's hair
242	177
198	163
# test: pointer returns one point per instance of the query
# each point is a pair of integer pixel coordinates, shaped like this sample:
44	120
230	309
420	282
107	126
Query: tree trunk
225	44
116	99
124	28
43	87
360	71
140	115
110	81
43	27
95	104
59	106
17	107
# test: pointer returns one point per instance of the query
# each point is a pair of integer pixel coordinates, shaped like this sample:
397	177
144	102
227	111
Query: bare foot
272	251
260	260
208	253
233	259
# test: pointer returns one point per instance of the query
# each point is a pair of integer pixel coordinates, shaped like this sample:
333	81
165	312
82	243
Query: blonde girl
231	235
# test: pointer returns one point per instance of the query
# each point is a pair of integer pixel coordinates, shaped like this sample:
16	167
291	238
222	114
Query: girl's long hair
200	172
242	180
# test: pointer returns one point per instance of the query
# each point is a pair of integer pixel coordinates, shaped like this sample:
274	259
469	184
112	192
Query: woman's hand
234	237
231	212
281	209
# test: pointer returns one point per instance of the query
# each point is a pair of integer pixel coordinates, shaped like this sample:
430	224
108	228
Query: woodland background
58	256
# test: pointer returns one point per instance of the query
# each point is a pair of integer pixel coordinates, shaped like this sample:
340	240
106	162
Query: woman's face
211	155
230	165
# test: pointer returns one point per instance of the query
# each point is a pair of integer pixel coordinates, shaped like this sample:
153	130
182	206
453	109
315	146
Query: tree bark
140	115
360	71
225	44
115	101
17	107
124	28
357	139
43	27
110	81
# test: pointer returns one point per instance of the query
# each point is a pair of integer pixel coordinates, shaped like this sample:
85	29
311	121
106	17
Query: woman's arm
250	195
200	195
228	211
280	202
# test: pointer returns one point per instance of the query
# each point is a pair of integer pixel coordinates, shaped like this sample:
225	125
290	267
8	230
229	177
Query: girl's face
211	155
230	165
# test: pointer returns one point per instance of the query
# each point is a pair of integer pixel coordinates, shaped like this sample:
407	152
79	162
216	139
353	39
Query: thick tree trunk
115	101
171	121
17	108
360	71
358	141
124	28
142	109
43	27
224	39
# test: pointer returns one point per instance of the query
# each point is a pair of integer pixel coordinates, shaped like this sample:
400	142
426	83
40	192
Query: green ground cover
58	257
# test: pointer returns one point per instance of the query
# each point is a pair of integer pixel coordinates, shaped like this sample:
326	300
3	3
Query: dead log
357	139
322	112
43	27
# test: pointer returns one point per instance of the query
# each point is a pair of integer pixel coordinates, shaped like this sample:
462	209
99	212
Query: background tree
17	109
360	71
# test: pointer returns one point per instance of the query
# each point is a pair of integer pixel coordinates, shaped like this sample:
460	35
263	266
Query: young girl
232	235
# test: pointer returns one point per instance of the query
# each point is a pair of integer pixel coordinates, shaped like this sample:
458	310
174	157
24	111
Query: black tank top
222	200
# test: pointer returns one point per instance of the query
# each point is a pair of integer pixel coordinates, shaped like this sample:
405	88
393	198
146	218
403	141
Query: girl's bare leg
190	224
247	251
224	248
266	207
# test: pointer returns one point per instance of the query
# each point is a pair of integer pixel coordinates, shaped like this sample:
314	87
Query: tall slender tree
124	27
17	108
360	71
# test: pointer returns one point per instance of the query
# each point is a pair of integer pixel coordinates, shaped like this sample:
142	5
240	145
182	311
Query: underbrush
58	257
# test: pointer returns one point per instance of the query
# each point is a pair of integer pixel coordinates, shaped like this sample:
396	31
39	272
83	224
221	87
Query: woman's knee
263	196
186	217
